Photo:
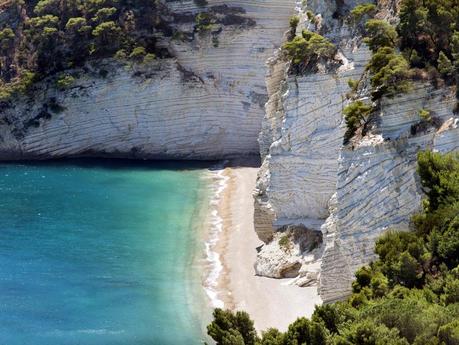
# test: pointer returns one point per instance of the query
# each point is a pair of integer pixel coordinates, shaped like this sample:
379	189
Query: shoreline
231	244
212	232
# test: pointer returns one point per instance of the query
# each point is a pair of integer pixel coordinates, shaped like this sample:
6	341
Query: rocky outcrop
350	193
204	103
378	187
302	136
299	173
294	252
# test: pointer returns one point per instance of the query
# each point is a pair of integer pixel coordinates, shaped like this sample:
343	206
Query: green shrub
425	115
47	7
107	36
5	93
367	332
294	21
450	290
449	333
272	337
306	50
412	316
379	33
7	37
361	11
304	331
448	243
121	54
353	84
362	279
389	73
149	58
445	66
355	115
138	53
104	14
232	328
204	22
65	81
439	178
284	242
23	84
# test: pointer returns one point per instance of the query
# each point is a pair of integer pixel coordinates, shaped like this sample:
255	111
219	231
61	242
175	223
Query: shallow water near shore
100	253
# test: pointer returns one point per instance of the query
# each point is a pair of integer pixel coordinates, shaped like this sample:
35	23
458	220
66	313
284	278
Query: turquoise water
100	254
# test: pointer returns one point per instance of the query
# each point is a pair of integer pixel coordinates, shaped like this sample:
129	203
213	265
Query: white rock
207	103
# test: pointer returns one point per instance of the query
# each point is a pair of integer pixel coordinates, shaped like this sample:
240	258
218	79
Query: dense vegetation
48	36
410	295
424	45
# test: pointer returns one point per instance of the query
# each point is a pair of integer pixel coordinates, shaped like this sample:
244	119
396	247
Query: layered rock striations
351	193
205	102
377	187
302	136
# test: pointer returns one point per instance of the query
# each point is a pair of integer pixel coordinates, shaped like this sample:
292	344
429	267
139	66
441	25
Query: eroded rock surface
351	193
206	102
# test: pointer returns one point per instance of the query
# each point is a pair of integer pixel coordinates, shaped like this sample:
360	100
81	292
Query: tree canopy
50	36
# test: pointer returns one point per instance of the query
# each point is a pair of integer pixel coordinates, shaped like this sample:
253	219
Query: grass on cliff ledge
410	295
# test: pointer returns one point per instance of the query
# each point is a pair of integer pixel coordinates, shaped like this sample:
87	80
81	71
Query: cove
100	253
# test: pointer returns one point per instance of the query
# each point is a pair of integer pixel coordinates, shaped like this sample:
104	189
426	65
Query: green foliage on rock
361	11
389	73
65	81
379	33
307	50
355	115
426	37
47	37
204	22
294	21
138	53
7	37
429	29
440	179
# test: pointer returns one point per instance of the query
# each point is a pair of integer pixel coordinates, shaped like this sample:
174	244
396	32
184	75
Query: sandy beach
270	302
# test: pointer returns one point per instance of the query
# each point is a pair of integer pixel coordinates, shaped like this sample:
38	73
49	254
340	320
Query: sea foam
218	186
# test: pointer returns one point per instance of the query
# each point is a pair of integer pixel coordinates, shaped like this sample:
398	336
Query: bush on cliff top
362	11
410	295
355	115
307	50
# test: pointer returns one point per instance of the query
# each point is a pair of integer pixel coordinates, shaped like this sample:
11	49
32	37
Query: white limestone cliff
205	103
378	187
350	194
301	138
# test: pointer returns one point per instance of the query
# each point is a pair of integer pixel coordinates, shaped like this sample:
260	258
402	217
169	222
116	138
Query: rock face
378	188
299	173
205	103
302	137
350	194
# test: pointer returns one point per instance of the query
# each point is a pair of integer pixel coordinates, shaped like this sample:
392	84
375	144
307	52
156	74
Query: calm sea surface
100	253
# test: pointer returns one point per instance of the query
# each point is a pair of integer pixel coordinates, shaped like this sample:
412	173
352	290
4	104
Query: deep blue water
95	253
